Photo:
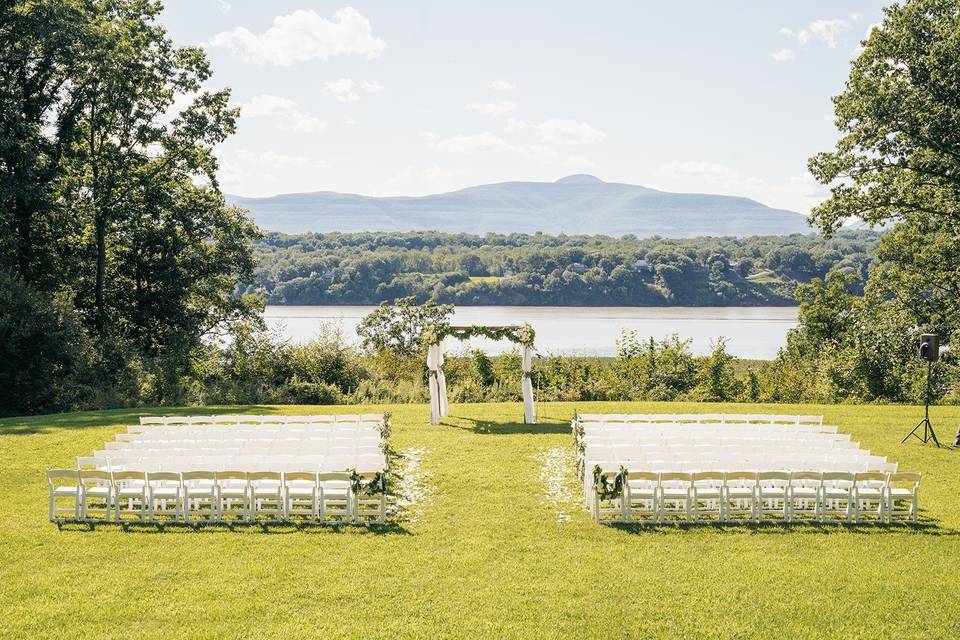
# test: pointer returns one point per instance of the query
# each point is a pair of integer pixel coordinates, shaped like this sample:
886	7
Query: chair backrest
299	476
263	475
704	476
62	474
675	476
643	475
231	475
325	476
806	478
93	475
839	477
198	475
740	478
906	477
129	475
163	476
869	477
773	475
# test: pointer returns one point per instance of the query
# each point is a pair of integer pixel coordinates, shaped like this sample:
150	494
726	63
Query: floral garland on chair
376	484
607	489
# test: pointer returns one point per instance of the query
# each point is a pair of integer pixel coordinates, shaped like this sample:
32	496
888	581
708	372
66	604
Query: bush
44	354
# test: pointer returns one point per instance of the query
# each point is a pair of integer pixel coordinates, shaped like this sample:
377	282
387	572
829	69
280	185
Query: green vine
579	445
607	489
520	334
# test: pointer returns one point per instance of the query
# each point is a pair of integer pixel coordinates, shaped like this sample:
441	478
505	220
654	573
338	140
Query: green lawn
488	555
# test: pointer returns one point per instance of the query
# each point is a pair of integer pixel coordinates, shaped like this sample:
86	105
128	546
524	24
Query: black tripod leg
933	435
913	432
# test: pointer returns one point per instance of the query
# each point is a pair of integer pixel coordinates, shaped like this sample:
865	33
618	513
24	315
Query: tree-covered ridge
538	269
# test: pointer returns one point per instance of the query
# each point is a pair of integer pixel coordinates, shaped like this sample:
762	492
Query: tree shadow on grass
239	528
925	527
29	425
490	427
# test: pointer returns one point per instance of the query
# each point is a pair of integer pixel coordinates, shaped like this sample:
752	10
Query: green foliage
521	269
399	328
43	350
717	379
108	196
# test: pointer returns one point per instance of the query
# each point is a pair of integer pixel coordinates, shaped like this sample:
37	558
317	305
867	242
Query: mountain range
578	204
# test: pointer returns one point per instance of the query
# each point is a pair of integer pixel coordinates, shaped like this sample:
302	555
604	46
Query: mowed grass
487	556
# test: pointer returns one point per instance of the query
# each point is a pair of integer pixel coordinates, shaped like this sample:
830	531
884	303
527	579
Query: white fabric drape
438	383
529	410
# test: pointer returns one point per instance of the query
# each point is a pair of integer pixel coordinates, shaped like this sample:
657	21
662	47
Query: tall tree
46	50
898	160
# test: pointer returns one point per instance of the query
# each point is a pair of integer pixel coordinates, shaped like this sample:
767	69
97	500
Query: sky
417	97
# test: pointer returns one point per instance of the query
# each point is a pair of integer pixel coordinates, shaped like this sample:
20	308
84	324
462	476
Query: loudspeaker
929	347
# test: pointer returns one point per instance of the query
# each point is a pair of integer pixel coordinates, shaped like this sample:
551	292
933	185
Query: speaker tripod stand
928	433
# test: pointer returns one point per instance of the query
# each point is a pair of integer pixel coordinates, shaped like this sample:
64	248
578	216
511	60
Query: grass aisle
490	552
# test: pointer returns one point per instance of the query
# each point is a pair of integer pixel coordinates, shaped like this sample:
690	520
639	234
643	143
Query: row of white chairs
751	496
242	419
699	418
195	497
367	463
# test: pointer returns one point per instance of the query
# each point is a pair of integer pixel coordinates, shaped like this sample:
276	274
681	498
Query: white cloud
487	143
258	173
502	85
430	179
492	108
272	159
303	35
348	89
285	113
514	124
784	55
225	7
798	193
826	31
856	17
557	131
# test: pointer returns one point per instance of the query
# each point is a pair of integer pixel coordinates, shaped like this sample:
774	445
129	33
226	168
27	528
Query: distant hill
578	204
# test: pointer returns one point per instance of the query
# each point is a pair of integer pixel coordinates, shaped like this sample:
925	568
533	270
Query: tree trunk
24	239
101	229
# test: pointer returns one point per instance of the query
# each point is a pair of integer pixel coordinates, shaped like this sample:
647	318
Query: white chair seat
65	490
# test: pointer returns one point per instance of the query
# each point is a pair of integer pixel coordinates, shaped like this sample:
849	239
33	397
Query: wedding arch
434	336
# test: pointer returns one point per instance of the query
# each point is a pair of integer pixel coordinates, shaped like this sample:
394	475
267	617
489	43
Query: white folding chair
130	495
804	499
675	496
266	494
835	496
739	496
200	496
164	490
641	493
64	484
334	492
96	494
233	495
903	488
869	496
707	494
773	489
370	502
300	495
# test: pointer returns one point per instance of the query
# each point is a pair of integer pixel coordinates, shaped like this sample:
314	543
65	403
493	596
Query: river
752	332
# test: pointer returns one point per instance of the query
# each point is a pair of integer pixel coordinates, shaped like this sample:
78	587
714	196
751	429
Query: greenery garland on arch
434	333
